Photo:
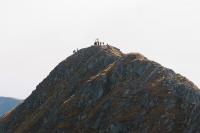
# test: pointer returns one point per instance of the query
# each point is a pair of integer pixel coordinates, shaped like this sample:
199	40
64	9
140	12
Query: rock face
103	90
7	103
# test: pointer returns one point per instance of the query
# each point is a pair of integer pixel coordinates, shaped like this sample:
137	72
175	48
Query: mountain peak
100	89
98	49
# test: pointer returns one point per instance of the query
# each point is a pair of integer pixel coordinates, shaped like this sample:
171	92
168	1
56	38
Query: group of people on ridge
96	43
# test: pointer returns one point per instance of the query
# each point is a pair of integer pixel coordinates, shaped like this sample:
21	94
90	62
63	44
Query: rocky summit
100	89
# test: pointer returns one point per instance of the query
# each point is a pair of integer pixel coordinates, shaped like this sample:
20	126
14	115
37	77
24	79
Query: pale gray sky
35	35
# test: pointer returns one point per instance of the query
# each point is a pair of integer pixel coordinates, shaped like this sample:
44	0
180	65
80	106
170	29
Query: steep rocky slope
103	90
7	103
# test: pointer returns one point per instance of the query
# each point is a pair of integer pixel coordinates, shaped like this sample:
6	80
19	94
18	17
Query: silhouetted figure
103	43
108	46
100	43
97	41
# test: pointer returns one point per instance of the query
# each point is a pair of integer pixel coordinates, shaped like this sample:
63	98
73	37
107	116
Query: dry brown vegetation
136	93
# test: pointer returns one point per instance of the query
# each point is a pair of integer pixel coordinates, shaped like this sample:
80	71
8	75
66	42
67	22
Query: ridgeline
100	89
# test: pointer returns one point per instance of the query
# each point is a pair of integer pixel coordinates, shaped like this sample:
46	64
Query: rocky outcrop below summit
103	90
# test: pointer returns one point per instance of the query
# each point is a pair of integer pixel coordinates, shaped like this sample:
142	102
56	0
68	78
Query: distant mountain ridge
7	103
100	89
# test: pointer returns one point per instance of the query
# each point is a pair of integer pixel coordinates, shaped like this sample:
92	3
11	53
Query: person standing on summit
108	46
97	41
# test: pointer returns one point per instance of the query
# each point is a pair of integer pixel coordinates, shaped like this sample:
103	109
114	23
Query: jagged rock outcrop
103	90
7	103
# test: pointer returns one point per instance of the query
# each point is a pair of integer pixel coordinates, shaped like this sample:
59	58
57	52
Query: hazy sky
35	35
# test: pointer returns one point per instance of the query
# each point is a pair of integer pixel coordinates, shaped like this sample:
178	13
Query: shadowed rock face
103	90
7	103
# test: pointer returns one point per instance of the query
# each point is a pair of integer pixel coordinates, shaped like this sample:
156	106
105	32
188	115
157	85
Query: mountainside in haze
7	104
99	89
